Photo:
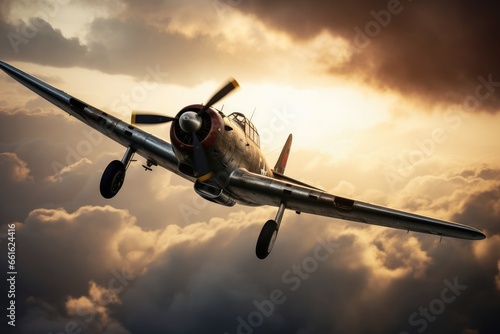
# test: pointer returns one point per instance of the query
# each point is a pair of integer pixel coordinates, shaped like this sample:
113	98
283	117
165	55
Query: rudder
282	160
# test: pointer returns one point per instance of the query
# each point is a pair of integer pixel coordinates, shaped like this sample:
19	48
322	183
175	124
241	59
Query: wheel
112	179
266	239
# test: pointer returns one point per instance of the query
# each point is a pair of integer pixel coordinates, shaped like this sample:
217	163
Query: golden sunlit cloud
19	170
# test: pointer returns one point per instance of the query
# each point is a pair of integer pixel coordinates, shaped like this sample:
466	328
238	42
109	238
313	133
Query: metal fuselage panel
235	150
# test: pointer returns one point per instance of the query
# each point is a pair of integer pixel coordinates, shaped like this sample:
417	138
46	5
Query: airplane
221	155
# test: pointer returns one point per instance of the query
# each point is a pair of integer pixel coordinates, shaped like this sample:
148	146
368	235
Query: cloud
255	36
111	43
170	36
204	276
106	251
221	288
15	167
497	277
434	52
483	210
181	59
93	309
41	164
87	232
43	317
37	39
84	237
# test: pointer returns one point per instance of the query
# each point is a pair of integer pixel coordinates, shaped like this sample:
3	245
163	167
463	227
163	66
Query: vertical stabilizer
281	163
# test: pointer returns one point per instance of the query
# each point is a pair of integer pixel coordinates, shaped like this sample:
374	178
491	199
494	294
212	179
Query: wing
299	197
148	146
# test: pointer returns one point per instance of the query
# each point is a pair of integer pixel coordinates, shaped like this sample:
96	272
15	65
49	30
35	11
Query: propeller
146	118
190	122
228	88
150	118
200	160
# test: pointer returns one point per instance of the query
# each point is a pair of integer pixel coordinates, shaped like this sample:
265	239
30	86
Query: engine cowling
182	142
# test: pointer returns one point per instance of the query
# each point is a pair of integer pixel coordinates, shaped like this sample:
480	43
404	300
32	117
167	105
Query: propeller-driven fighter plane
221	155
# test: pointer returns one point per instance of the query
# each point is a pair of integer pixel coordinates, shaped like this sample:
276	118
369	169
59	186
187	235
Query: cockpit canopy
246	126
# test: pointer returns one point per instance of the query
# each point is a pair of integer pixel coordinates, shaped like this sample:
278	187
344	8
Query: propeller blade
219	95
200	160
150	119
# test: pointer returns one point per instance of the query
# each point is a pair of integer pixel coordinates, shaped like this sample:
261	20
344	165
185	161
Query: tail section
279	169
282	160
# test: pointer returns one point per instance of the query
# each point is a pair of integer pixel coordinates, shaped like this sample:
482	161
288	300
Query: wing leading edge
148	146
298	197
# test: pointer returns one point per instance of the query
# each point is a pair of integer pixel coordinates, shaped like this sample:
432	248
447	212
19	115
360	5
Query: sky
393	103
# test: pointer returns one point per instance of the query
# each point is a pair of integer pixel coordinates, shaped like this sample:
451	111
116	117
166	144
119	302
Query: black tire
112	179
266	239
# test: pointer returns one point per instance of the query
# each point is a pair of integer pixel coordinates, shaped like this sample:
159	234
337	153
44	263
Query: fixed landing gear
112	179
266	239
268	234
114	175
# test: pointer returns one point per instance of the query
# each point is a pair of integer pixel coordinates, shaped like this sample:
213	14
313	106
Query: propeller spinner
190	122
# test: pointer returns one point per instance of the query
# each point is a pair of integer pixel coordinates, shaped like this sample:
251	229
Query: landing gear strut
268	234
114	175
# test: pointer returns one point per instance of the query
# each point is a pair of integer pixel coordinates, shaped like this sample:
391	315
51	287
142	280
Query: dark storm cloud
60	253
205	277
432	50
221	286
437	52
213	283
117	45
35	38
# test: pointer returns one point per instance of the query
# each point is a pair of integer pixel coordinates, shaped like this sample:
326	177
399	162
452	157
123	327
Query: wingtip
475	234
480	236
235	83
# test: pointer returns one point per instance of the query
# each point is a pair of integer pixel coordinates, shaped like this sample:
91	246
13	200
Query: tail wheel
266	240
112	179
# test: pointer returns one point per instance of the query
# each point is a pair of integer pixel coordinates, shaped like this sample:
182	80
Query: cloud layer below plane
190	266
